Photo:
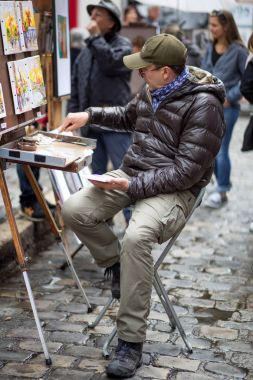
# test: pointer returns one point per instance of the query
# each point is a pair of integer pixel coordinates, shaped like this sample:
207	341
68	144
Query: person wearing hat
193	51
99	78
177	124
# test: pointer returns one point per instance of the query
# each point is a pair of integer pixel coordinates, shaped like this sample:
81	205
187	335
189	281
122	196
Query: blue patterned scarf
160	94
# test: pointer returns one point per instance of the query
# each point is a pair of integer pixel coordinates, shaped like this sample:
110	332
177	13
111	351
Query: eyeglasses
144	69
220	14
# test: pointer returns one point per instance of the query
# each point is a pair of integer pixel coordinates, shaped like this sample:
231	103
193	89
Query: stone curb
35	237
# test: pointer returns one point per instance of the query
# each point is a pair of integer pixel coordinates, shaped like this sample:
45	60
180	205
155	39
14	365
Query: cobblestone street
208	276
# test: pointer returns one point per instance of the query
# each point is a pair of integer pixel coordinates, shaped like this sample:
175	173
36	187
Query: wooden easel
13	128
22	259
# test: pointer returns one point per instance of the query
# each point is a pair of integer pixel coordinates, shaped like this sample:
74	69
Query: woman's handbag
248	136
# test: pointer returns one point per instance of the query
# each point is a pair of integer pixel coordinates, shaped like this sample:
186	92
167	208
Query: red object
73	7
43	120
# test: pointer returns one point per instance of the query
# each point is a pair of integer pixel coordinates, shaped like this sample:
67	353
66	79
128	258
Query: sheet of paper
2	104
99	178
28	25
11	25
20	86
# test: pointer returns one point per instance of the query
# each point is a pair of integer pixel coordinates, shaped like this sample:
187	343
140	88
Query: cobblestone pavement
208	276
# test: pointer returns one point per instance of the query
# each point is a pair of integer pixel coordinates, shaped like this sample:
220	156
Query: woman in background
225	58
131	15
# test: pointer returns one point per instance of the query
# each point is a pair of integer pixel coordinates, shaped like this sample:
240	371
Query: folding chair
160	290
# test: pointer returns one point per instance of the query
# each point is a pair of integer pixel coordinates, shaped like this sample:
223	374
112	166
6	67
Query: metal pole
75	276
106	352
101	314
36	317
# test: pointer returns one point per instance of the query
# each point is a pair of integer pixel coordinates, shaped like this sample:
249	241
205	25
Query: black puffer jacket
173	148
247	82
99	76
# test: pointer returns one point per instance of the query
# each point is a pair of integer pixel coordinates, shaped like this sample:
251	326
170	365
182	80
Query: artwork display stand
12	129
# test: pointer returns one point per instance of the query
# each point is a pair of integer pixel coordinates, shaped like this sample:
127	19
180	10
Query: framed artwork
2	105
13	38
28	25
62	76
243	15
34	70
20	86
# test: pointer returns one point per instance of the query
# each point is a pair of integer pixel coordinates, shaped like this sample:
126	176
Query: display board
22	90
62	61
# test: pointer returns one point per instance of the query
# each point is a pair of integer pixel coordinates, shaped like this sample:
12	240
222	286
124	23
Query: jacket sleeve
199	143
117	118
247	82
110	58
234	94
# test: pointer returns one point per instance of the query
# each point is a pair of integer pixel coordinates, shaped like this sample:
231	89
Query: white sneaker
251	227
215	201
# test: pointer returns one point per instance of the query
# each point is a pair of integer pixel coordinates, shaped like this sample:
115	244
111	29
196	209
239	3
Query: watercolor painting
35	75
2	105
28	25
20	86
62	36
12	34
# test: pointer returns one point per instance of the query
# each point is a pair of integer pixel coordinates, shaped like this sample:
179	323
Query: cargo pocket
171	223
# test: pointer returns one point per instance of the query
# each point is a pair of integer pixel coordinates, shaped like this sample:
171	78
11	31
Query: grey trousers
154	220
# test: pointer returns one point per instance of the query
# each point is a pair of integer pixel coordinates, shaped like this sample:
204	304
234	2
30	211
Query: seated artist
177	124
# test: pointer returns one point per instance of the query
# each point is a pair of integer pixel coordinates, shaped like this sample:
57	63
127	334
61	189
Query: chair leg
75	276
72	255
170	311
101	314
106	352
36	317
163	298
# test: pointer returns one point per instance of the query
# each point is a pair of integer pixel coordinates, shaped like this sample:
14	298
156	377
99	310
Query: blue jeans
27	197
222	163
110	145
113	146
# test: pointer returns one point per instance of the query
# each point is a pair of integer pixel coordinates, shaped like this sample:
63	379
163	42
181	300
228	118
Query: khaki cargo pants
154	220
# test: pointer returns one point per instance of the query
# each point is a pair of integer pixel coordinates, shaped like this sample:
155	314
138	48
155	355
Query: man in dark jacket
100	78
177	124
193	51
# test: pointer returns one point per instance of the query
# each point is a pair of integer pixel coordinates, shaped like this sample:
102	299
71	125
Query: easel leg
56	231
36	317
42	202
21	257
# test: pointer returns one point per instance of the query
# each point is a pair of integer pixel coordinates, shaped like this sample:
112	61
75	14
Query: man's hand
74	121
226	104
93	28
112	184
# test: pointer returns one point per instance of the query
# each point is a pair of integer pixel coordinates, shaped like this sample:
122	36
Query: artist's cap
162	49
110	7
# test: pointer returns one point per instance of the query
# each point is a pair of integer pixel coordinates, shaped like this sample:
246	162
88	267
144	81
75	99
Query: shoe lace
112	271
125	350
108	273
